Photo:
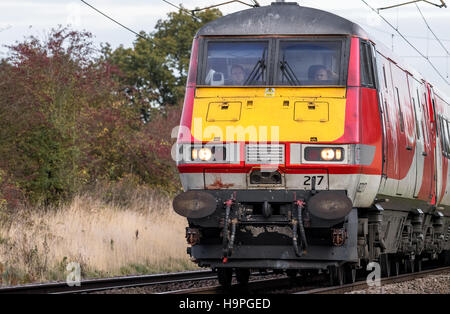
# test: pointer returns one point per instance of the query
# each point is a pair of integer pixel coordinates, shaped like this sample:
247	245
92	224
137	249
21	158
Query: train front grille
264	154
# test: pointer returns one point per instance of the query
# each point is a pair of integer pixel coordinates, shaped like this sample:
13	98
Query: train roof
289	18
281	18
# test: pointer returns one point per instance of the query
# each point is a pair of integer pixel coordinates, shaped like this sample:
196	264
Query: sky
21	18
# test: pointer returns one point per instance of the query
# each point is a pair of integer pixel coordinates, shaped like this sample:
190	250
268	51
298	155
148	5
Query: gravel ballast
431	284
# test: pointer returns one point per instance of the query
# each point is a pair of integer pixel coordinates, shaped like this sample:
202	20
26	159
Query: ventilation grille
447	237
264	154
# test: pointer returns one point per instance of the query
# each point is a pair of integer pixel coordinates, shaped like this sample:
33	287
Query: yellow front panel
276	114
311	111
224	111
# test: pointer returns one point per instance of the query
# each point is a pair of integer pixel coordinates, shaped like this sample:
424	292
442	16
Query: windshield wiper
258	70
288	72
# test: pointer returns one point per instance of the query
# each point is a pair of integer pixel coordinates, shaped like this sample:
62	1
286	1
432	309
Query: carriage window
415	117
445	140
309	63
236	63
367	77
443	128
400	113
425	132
440	126
386	110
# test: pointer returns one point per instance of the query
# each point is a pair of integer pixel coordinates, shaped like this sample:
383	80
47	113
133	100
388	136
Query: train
305	145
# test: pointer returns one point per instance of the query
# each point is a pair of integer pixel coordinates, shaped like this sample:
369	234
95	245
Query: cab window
367	74
309	63
236	64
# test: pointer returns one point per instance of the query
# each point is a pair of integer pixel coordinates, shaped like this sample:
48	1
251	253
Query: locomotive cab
280	142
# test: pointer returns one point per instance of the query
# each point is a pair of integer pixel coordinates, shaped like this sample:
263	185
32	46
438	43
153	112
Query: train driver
321	73
237	75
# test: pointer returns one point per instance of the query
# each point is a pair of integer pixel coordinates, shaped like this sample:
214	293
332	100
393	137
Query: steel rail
92	285
361	285
287	283
252	286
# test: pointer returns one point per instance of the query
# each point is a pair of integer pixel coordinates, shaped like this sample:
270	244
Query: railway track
94	285
312	285
361	285
251	287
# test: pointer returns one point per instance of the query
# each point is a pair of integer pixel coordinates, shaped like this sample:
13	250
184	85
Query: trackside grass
107	236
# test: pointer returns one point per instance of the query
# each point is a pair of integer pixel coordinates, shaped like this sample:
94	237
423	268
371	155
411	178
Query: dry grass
110	236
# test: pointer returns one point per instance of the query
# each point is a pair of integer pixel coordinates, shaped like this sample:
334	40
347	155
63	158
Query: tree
176	34
64	125
70	117
155	69
46	87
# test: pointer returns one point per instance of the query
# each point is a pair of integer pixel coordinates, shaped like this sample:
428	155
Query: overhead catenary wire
140	35
421	56
257	4
115	21
223	3
153	42
408	42
426	23
415	37
182	9
407	35
127	28
442	5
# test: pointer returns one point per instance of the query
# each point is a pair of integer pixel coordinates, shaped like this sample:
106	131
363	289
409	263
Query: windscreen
236	64
309	63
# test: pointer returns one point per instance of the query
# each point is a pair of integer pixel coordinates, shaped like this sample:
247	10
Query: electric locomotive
306	145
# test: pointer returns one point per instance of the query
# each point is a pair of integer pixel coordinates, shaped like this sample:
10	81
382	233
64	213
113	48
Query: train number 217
308	180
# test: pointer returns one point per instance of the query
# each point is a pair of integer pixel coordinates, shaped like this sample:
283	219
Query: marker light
338	154
194	154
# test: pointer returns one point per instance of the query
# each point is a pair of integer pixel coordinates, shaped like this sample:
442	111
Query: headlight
324	154
340	154
205	154
327	154
208	153
212	154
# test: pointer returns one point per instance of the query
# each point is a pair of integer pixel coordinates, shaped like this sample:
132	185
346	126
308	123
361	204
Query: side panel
408	134
405	131
389	116
371	134
420	141
441	149
427	188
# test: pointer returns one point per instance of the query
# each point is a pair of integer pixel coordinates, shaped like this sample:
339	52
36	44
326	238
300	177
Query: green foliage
46	88
67	123
174	37
155	69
